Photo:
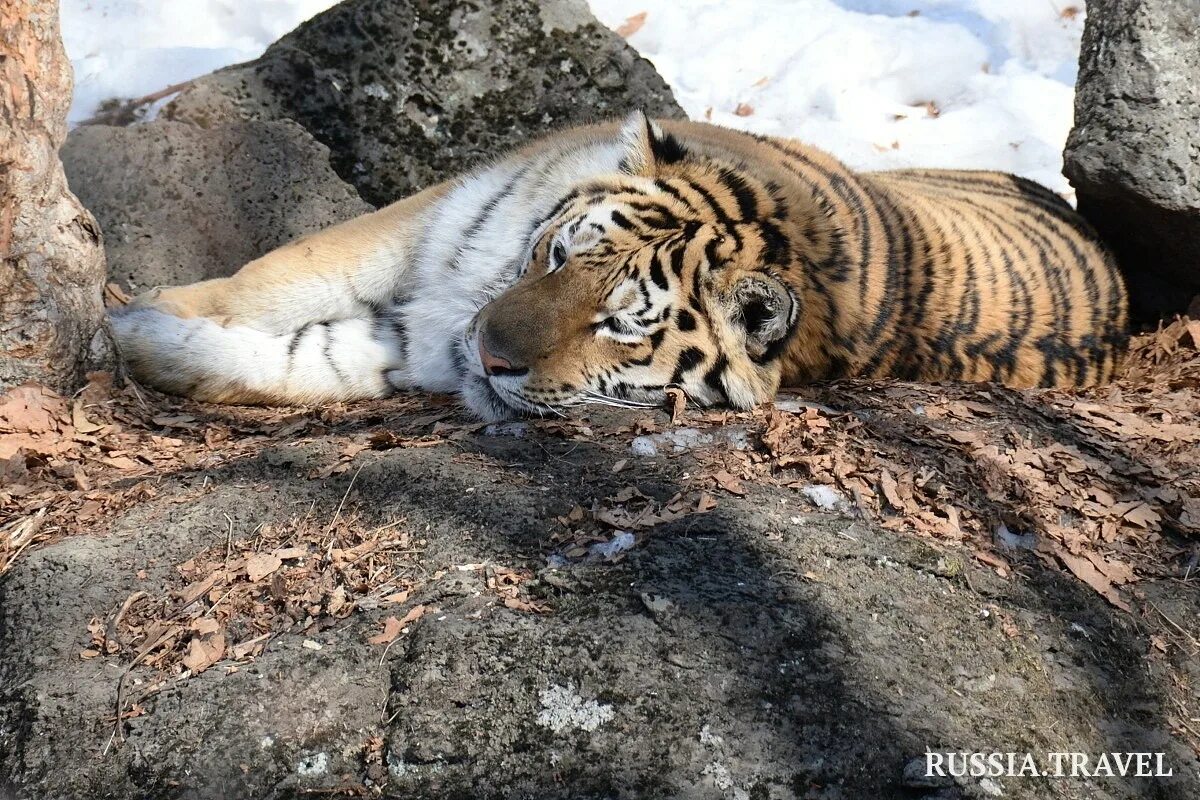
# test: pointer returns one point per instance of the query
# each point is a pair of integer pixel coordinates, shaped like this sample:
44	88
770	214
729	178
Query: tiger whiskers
616	402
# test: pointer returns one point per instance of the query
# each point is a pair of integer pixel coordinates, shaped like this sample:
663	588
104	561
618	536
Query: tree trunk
51	260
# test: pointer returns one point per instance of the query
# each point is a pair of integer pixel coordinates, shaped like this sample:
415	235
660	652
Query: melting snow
958	83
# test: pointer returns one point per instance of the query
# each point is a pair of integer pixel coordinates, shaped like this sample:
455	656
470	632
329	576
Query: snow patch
132	48
679	440
853	77
826	498
604	551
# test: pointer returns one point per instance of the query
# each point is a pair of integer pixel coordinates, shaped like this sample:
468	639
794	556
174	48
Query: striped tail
347	359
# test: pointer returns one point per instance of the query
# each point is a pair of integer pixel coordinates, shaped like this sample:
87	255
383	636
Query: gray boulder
408	94
1134	155
756	651
178	203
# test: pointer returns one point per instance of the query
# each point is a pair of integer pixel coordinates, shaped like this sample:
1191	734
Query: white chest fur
472	245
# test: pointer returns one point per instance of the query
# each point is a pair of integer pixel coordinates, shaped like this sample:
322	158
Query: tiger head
682	269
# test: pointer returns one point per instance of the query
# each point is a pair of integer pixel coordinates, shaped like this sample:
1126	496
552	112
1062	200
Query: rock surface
409	94
757	651
178	203
1134	154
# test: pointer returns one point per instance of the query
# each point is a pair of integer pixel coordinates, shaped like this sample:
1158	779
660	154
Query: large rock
178	203
406	94
1134	155
756	652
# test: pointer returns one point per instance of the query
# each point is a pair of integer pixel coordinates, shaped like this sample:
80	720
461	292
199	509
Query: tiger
608	263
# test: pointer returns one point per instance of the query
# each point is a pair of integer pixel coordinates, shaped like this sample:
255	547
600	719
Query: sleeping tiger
607	263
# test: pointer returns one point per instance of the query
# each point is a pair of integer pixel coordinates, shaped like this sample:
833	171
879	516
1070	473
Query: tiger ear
647	146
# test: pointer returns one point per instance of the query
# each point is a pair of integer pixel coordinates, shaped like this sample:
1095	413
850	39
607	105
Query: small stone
644	446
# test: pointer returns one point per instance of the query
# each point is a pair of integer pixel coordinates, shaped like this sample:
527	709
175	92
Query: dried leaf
31	408
80	421
115	296
1144	516
391	629
676	403
632	25
528	606
1086	571
887	484
260	565
729	483
203	652
284	553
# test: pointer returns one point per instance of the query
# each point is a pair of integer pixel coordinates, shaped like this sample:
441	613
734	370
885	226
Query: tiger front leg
309	322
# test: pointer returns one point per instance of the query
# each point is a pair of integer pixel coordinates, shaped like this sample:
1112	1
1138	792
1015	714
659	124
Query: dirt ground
388	599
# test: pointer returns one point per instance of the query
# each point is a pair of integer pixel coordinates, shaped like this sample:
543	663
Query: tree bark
52	266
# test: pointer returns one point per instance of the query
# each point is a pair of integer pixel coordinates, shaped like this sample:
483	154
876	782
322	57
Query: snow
854	77
131	48
961	83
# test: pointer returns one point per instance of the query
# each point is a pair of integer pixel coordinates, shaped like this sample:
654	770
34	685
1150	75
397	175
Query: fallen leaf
1086	571
528	606
729	483
31	408
203	652
1143	516
80	421
249	647
284	553
123	463
391	629
260	565
1189	515
115	296
676	403
632	25
887	484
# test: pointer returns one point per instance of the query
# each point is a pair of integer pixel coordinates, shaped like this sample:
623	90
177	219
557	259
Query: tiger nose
494	364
